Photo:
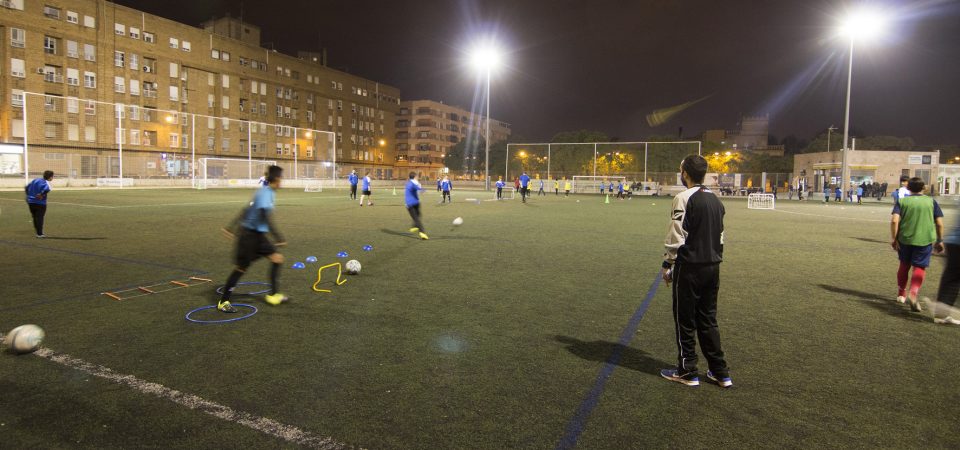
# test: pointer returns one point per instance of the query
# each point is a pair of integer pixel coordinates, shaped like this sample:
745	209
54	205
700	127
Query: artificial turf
489	335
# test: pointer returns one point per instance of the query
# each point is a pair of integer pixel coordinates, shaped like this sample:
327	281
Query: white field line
264	425
62	203
831	217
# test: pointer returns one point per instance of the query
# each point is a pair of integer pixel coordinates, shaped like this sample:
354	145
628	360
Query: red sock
916	280
902	279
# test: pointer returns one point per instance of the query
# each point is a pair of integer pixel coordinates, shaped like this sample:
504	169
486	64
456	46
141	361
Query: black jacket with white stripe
696	229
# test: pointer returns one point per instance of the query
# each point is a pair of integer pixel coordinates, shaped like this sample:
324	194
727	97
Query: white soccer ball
353	267
458	221
24	339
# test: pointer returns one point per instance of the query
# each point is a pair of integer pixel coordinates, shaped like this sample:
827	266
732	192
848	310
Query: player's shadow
434	238
875	241
68	238
601	351
880	303
398	233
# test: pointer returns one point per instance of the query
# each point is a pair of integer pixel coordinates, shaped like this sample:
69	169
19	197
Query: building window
134	137
16	98
89	52
134	62
224	56
18	38
73	17
17	68
185	46
89	22
149	38
120	29
51	12
134	87
50	45
174	70
215	54
174	43
119	59
51	130
119	85
73	77
90	80
73	51
90	108
174	140
225	144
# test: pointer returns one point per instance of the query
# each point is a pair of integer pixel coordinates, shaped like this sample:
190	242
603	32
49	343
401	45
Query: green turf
486	336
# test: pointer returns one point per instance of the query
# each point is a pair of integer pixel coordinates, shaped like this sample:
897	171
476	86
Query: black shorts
446	192
353	188
366	193
252	246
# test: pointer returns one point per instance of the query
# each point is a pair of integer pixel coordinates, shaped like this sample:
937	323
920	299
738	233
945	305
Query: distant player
620	191
500	185
566	187
540	192
524	186
354	179
251	235
838	194
611	186
916	229
412	200
445	187
439	184
366	190
902	191
859	195
694	251
603	187
37	192
556	187
262	181
826	194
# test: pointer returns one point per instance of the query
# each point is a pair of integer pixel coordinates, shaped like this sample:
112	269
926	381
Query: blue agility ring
202	308
249	283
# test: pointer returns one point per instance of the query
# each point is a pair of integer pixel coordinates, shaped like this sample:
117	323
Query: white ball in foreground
24	339
353	267
458	221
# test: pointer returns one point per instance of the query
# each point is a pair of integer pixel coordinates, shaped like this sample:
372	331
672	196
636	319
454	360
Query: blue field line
108	257
579	420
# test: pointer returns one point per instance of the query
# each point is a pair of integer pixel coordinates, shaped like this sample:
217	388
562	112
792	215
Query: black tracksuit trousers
695	289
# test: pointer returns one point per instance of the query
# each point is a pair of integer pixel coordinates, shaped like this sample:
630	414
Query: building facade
427	130
96	76
817	169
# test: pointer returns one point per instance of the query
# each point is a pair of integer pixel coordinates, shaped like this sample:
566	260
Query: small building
881	166
948	179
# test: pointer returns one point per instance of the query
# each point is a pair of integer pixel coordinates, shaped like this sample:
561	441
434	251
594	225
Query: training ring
248	283
250	314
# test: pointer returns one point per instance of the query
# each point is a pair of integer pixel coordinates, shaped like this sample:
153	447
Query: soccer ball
24	339
458	221
353	267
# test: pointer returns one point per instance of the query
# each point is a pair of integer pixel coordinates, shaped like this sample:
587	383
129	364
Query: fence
89	142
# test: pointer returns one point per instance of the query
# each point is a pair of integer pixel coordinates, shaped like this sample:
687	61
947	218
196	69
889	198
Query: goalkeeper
250	230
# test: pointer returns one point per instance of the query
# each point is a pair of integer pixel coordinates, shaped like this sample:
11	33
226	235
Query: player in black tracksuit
694	250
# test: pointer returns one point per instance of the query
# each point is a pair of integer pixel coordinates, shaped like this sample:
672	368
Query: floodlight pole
645	162
193	150
548	161
594	159
845	163
486	141
26	157
120	136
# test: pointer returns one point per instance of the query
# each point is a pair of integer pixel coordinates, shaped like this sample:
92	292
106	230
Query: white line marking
264	425
831	217
63	203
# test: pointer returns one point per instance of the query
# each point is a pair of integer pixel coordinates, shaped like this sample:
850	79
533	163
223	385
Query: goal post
592	184
509	193
761	201
231	172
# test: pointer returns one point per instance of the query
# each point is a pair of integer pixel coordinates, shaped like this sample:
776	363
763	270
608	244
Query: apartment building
111	75
426	130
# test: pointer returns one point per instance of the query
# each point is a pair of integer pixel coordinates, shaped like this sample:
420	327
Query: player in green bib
916	229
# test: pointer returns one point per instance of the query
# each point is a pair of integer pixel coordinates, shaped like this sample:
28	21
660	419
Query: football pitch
538	325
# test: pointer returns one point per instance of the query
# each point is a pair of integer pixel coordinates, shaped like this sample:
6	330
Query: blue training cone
367	248
342	255
298	265
311	259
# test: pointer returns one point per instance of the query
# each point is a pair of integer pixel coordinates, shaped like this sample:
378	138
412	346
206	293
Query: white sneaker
901	299
946	321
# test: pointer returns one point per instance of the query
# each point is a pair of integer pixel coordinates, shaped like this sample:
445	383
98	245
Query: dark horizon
604	65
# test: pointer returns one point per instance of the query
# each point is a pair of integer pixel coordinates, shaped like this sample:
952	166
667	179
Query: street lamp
862	25
486	58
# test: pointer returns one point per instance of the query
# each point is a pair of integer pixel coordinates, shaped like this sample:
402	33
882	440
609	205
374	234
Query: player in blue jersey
611	187
620	190
354	179
411	194
439	184
446	186
37	192
250	230
500	185
540	192
365	184
524	186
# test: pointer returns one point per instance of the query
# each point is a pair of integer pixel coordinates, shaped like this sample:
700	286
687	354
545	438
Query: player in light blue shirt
250	230
366	190
524	186
500	185
411	196
611	187
36	193
620	190
540	192
354	179
446	186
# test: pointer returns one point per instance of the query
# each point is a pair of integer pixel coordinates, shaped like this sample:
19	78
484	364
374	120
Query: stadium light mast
486	59
861	25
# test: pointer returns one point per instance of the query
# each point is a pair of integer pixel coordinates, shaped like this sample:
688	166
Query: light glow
486	58
864	25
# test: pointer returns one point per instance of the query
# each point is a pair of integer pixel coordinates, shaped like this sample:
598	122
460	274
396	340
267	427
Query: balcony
148	93
52	77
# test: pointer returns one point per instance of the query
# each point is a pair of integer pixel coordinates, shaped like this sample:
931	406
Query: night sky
603	65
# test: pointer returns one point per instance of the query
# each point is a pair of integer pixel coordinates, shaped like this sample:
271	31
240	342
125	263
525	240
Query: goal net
585	184
761	201
230	172
507	194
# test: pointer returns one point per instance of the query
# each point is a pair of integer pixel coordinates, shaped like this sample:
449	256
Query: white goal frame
761	201
509	193
251	180
591	184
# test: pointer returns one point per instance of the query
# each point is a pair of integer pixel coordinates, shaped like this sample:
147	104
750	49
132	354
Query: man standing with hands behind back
694	250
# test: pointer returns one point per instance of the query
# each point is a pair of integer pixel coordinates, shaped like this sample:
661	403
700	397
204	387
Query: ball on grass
353	267
24	339
458	221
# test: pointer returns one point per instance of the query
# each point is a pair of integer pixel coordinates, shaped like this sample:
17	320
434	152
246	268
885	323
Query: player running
354	179
251	235
366	190
540	192
916	229
445	187
412	200
37	192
